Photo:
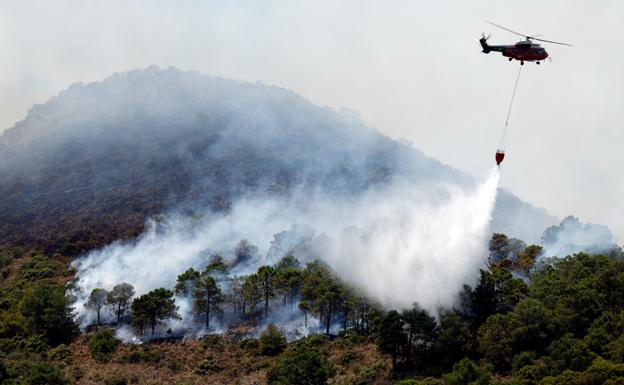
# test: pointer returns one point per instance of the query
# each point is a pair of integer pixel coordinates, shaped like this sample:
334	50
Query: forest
527	320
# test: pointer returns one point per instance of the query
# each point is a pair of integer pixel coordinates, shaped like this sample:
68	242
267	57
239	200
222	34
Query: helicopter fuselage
523	51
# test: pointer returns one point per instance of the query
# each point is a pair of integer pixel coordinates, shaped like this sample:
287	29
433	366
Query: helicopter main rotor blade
506	29
550	41
527	36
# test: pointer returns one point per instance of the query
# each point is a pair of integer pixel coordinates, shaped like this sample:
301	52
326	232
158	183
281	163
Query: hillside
90	165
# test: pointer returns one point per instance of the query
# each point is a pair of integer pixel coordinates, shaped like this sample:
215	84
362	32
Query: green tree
389	335
119	298
139	314
47	312
614	350
600	372
454	340
603	330
573	288
322	290
186	282
234	295
266	276
531	374
272	341
328	301
288	283
348	302
154	307
569	353
495	341
304	306
497	291
207	297
251	293
421	331
531	325
364	313
97	300
216	265
287	263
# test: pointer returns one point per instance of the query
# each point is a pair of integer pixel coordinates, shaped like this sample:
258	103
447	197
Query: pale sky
412	69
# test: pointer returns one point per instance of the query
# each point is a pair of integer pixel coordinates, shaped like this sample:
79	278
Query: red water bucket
500	155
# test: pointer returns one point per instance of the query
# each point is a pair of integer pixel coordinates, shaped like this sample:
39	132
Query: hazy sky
412	69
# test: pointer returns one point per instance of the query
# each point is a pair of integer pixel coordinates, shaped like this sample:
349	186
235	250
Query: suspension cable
513	95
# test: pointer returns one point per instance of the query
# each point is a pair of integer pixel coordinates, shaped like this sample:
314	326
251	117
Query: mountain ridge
93	163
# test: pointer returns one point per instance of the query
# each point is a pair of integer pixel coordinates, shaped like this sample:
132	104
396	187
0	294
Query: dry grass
359	364
224	363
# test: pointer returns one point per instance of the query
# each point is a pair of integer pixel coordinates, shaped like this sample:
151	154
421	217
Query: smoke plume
572	236
400	244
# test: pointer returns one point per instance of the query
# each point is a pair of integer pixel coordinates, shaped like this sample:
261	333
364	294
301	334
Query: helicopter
524	50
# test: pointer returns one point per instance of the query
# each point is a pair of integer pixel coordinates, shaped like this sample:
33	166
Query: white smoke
572	236
400	244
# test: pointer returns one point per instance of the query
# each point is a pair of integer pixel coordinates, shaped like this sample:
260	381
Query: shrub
372	372
272	341
116	380
77	373
312	341
466	371
347	339
143	354
300	366
175	365
152	355
134	356
250	344
45	374
38	267
348	357
213	341
33	344
5	259
207	366
103	345
432	381
231	372
60	353
424	381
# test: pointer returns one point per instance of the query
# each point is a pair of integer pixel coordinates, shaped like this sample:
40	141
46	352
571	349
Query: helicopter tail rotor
484	44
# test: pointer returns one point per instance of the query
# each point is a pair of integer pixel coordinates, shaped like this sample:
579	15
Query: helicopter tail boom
489	48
